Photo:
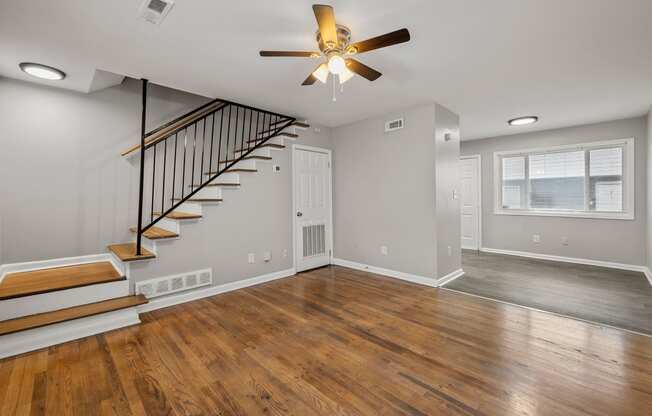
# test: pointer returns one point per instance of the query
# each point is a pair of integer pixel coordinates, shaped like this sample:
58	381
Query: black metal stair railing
179	158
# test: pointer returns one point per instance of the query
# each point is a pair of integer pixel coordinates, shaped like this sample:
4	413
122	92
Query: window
592	180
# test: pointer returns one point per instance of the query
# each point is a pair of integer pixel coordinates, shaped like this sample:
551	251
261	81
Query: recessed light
522	121
42	71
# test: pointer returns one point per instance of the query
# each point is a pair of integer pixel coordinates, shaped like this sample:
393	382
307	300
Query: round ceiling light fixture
42	71
336	64
522	121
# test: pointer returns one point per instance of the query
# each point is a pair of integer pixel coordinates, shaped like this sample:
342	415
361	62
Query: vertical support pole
143	120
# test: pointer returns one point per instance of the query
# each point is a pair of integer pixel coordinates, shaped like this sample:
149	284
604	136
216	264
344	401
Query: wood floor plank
58	278
335	341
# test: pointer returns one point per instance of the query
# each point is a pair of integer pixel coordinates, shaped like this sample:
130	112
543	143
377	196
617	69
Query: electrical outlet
252	258
536	238
450	251
564	241
267	256
285	252
383	250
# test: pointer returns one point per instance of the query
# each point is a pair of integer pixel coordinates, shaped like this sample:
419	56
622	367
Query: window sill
565	214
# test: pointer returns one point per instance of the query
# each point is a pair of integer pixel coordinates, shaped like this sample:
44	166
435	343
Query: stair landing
35	282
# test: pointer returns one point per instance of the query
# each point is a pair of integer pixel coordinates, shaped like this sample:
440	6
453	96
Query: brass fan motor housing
343	39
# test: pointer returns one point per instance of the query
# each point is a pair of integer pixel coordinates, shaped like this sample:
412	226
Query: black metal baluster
183	170
228	138
151	210
235	133
210	156
165	158
174	167
194	151
219	145
203	147
244	118
251	119
143	119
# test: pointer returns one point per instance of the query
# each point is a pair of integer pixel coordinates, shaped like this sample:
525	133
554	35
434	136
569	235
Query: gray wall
67	192
447	155
649	189
384	192
620	241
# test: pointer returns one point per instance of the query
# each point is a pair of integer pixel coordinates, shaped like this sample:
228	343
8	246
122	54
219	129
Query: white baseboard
450	277
648	274
420	280
601	263
37	338
175	299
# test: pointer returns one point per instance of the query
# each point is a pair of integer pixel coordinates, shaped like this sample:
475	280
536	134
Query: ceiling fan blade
326	21
362	69
310	80
293	54
388	39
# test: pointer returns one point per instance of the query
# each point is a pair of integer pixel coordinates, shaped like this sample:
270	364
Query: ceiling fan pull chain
334	87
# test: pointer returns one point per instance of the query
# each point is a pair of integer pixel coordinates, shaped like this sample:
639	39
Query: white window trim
629	184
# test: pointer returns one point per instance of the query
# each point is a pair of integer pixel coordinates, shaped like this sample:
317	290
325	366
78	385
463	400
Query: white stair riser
209	192
228	177
168	224
37	338
46	302
261	151
190	207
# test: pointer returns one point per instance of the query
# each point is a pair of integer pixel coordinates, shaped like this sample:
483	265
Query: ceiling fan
334	44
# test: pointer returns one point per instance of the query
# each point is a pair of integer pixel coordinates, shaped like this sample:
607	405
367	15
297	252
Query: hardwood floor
613	297
335	341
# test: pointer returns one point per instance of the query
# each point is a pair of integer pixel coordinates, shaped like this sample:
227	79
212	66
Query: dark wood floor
613	297
338	342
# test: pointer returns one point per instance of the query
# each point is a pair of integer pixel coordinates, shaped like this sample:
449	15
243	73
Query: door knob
299	214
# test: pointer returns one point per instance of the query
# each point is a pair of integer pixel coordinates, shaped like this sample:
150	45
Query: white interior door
470	190
312	203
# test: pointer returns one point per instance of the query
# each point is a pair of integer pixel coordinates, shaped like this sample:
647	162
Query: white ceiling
567	61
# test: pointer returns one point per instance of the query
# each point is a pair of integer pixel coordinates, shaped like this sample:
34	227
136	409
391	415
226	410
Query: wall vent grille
393	125
161	286
314	240
154	11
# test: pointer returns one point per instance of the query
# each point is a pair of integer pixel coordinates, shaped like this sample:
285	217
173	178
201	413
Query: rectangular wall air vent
154	11
161	286
394	125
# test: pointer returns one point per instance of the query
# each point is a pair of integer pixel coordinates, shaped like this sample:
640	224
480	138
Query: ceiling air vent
154	11
394	125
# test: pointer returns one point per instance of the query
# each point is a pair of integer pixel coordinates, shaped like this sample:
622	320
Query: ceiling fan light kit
334	42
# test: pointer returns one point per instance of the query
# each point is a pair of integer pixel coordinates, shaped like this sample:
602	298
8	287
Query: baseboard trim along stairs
413	278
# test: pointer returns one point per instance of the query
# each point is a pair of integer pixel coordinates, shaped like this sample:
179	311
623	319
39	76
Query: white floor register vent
161	286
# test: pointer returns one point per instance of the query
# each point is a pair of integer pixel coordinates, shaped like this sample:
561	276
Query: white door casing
470	209
312	190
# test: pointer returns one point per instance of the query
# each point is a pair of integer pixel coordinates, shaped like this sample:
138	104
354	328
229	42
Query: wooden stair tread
179	215
274	145
34	282
127	252
254	157
48	318
234	170
215	184
156	233
201	199
283	133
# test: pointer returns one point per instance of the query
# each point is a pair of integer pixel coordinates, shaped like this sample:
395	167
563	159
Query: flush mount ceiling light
522	121
42	71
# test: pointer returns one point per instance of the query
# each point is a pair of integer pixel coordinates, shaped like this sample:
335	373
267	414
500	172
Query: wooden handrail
184	122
